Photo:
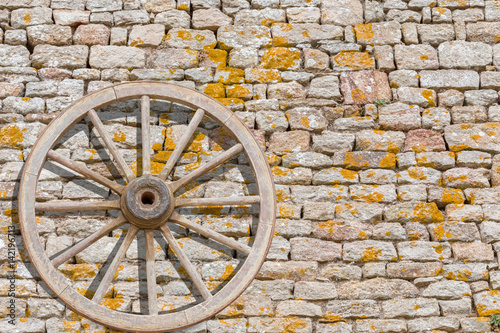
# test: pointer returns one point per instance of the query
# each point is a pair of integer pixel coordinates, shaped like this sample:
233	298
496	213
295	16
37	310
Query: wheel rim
150	322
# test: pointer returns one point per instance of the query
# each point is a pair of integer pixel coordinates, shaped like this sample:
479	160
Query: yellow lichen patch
427	211
424	57
353	160
461	276
137	42
491	125
136	167
476	137
12	135
267	22
183	6
392	147
331	317
428	95
217	56
228	271
238	91
452	196
281	196
265	75
354	60
439	232
230	101
119	136
281	41
459	147
281	58
291	325
348	174
438	248
417	173
78	271
27	18
113	303
215	90
456	178
388	161
358	95
371	253
364	31
369	197
273	159
230	75
304	121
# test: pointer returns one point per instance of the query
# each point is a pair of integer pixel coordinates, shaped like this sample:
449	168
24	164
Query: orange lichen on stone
215	90
217	56
113	303
354	161
357	95
281	41
281	58
267	22
354	60
427	211
348	174
78	271
136	167
417	173
137	42
281	196
459	147
428	95
371	253
238	91
388	161
27	18
12	135
230	75
265	76
452	196
230	101
119	136
364	31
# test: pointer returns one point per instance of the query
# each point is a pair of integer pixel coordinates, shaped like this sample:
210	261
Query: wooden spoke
83	170
193	125
146	135
122	165
68	206
185	262
209	233
150	271
83	244
208	166
230	201
110	273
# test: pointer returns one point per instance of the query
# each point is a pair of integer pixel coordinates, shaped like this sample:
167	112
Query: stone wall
380	121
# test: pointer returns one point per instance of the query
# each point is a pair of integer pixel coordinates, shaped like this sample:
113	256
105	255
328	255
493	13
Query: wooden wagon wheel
147	202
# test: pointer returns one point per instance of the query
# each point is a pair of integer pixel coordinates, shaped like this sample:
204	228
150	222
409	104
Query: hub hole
148	198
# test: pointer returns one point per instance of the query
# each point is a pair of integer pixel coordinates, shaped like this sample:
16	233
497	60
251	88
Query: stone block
92	34
364	87
71	57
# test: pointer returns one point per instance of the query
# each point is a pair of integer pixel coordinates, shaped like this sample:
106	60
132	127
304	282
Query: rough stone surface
379	121
70	57
116	57
364	87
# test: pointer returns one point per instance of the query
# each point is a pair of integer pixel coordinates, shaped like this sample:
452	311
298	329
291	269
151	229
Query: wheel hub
147	202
